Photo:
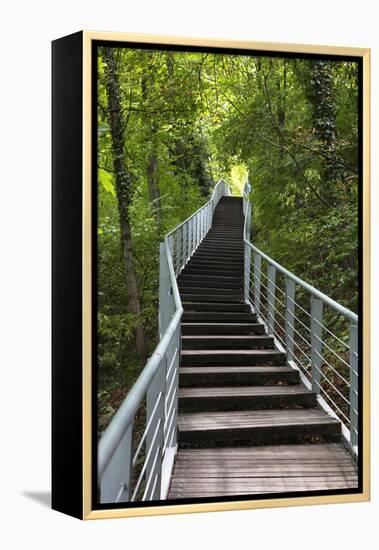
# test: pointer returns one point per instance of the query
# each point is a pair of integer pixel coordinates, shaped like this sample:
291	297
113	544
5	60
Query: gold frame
88	513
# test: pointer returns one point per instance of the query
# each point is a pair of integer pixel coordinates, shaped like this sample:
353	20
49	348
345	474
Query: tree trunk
123	188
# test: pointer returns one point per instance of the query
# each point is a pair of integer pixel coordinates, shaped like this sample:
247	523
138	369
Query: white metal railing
319	336
137	466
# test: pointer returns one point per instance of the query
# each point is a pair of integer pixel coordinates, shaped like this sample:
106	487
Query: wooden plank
264	489
299	449
234	368
241	391
263	353
245	462
261	483
264	456
235	419
219	477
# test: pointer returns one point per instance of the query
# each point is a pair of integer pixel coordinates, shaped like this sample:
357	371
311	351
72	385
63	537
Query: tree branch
286	147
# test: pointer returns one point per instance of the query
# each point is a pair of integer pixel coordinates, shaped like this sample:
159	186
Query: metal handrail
158	378
353	317
313	357
214	197
128	408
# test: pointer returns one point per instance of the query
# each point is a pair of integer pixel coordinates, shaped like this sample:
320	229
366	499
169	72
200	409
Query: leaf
106	180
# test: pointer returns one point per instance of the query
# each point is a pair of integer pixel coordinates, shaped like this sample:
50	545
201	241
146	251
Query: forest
170	124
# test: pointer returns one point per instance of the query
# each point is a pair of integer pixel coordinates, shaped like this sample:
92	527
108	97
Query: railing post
179	253
155	436
316	342
175	239
198	232
247	269
290	317
193	233
271	274
185	244
353	385
190	231
171	246
257	282
116	480
176	344
164	291
248	223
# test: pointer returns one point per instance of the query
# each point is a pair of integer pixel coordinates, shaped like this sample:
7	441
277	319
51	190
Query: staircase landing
260	470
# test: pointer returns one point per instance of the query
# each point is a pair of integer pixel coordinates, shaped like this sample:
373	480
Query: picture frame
76	457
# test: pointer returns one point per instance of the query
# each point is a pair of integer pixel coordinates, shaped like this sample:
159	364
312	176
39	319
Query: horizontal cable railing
319	335
137	450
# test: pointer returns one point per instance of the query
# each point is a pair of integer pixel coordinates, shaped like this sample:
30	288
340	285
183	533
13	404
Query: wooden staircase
246	424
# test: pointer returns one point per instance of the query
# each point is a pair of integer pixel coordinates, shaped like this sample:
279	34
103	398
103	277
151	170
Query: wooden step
233	279
232	225
220	245
198	281
204	302
220	240
318	453
205	287
205	262
229	248
249	425
244	398
226	230
236	376
235	233
191	358
211	270
223	237
233	305
235	266
215	254
227	342
222	229
223	233
218	317
262	470
219	256
222	328
236	293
